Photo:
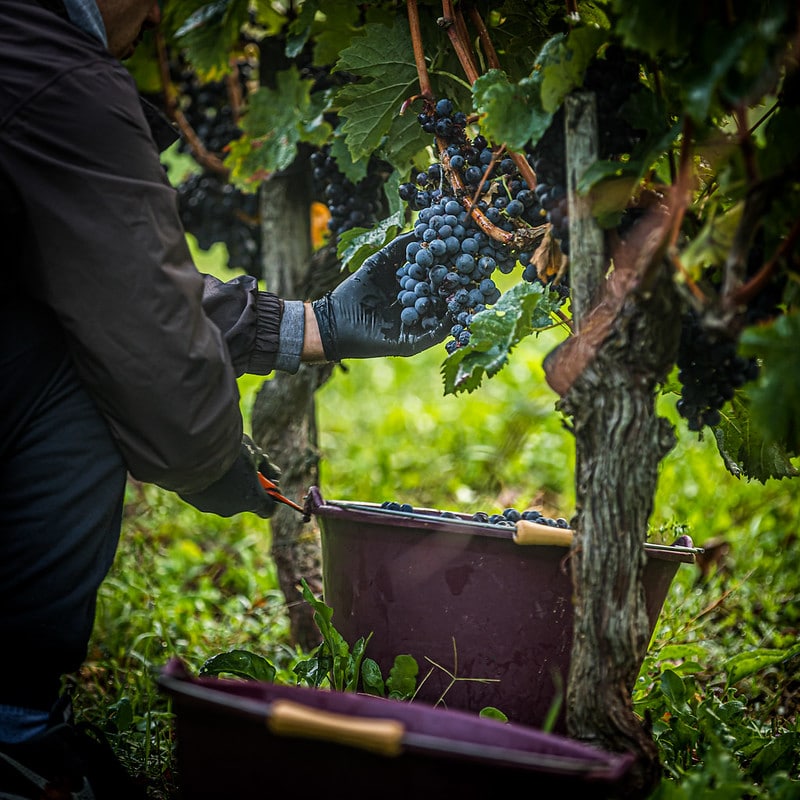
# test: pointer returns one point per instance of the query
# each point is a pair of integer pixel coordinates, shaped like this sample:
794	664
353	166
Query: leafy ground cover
721	681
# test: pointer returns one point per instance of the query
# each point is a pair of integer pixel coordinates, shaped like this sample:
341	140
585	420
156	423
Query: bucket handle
382	736
527	532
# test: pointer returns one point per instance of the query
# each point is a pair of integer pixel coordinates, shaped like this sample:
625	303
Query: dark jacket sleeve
108	254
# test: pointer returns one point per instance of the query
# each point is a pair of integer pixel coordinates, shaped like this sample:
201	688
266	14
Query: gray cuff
290	345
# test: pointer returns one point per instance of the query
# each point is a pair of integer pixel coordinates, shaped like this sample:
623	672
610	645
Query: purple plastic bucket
466	596
238	739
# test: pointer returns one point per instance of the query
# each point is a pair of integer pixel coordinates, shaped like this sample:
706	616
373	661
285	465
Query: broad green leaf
710	247
383	58
371	678
743	665
655	28
610	186
405	140
743	448
334	29
210	34
354	171
563	61
299	29
495	332
275	122
674	688
775	397
122	714
779	754
700	81
510	113
241	663
357	244
683	652
402	680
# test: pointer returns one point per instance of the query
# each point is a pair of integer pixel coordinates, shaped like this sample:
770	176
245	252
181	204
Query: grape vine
351	205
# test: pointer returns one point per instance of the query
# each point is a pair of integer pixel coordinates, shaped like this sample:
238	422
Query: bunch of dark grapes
212	210
448	269
710	371
614	79
351	205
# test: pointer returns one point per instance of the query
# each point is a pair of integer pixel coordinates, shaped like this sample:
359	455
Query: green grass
194	585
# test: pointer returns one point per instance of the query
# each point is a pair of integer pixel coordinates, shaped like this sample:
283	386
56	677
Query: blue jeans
62	486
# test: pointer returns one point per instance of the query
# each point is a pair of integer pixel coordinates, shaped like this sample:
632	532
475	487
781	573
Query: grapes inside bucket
485	604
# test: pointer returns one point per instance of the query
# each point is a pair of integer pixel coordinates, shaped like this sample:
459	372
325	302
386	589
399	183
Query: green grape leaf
510	113
276	120
563	61
516	113
744	451
357	244
405	140
712	244
269	19
299	29
700	81
334	30
241	663
354	171
383	58
655	28
775	397
523	309
209	35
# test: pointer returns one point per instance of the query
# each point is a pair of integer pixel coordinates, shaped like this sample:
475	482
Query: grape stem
680	201
757	283
483	34
419	52
453	23
199	153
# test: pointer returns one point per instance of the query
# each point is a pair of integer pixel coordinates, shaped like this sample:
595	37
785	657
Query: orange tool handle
272	490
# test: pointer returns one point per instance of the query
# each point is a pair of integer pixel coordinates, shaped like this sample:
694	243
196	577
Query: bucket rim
431	519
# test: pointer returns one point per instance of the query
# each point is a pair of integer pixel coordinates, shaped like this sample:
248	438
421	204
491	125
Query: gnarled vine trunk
626	316
284	411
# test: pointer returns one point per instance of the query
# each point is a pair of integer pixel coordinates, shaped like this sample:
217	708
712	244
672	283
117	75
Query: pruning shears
272	490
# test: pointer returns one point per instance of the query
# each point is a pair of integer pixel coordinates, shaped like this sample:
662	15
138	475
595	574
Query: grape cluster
508	518
208	105
448	269
614	79
212	210
358	205
710	371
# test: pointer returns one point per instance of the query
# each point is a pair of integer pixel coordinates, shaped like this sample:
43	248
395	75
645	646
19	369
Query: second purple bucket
465	596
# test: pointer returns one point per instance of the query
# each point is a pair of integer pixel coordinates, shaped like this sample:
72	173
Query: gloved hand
239	489
360	318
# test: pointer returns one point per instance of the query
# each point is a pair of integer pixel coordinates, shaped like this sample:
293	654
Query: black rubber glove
239	489
360	318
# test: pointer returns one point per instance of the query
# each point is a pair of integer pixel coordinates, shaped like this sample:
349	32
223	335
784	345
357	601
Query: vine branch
201	155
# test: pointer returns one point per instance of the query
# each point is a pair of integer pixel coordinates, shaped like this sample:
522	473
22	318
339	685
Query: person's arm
312	351
108	254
